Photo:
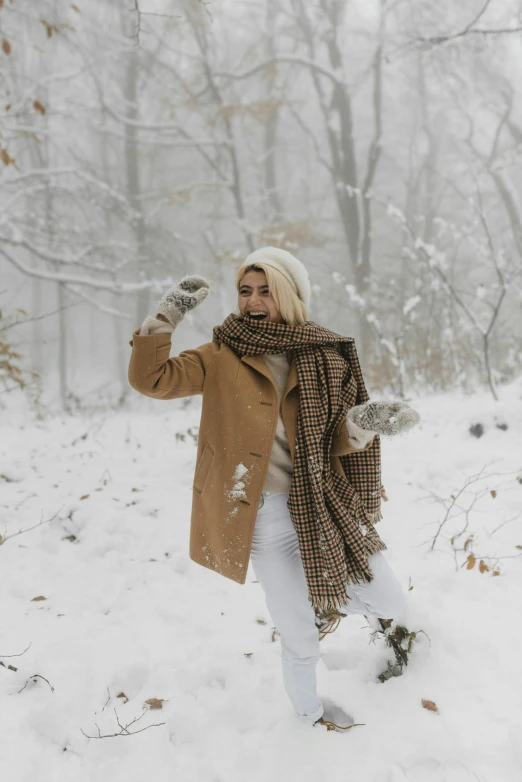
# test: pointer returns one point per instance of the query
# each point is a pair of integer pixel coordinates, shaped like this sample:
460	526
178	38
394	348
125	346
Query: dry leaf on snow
154	703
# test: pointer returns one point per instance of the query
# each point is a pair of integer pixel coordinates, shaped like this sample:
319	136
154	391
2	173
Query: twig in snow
507	521
9	667
12	667
36	676
453	502
108	699
5	538
17	655
454	508
124	729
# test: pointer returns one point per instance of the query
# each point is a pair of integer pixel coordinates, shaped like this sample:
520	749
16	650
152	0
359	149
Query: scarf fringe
373	518
331	605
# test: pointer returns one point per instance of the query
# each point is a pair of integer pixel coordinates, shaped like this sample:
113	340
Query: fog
379	142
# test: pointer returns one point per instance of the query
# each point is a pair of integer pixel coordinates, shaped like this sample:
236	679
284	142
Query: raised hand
386	418
182	298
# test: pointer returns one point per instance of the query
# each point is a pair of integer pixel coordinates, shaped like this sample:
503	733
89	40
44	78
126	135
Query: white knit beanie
289	266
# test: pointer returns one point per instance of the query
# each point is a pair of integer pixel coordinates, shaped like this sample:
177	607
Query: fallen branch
5	538
9	667
454	505
124	729
12	667
33	678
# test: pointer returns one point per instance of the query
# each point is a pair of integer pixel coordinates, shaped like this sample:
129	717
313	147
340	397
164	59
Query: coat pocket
203	467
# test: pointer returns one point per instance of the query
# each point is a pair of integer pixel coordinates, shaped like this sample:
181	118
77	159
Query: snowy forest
380	142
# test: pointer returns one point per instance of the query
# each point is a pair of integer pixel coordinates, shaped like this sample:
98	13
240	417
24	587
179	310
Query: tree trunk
273	204
62	348
133	180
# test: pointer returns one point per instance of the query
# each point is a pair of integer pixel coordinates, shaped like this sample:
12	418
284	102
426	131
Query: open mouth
258	315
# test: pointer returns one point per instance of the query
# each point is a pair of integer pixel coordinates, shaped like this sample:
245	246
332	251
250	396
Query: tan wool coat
238	423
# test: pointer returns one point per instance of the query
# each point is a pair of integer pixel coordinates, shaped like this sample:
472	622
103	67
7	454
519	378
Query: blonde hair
292	309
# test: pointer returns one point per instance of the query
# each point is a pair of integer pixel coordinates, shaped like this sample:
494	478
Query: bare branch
310	64
454	508
108	699
475	18
75	259
313	138
49	173
16	655
36	676
503	524
5	538
438	40
37	317
96	304
118	288
138	25
124	729
12	667
431	42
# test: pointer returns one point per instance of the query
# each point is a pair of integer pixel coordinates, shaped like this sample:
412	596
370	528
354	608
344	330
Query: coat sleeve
154	374
341	443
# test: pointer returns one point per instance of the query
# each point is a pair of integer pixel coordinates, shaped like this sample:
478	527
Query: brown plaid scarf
333	515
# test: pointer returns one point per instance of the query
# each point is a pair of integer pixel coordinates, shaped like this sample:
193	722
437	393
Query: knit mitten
178	300
151	326
364	421
182	298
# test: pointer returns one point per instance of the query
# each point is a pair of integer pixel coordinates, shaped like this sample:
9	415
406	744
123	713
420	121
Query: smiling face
254	297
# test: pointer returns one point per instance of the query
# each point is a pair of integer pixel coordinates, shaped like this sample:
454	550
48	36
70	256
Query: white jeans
278	567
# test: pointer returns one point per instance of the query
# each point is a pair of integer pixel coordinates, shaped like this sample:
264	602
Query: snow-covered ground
127	612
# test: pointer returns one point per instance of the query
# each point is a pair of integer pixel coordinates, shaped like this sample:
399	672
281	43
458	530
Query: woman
288	462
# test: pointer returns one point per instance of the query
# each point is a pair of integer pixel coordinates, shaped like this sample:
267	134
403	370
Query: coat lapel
292	377
259	363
